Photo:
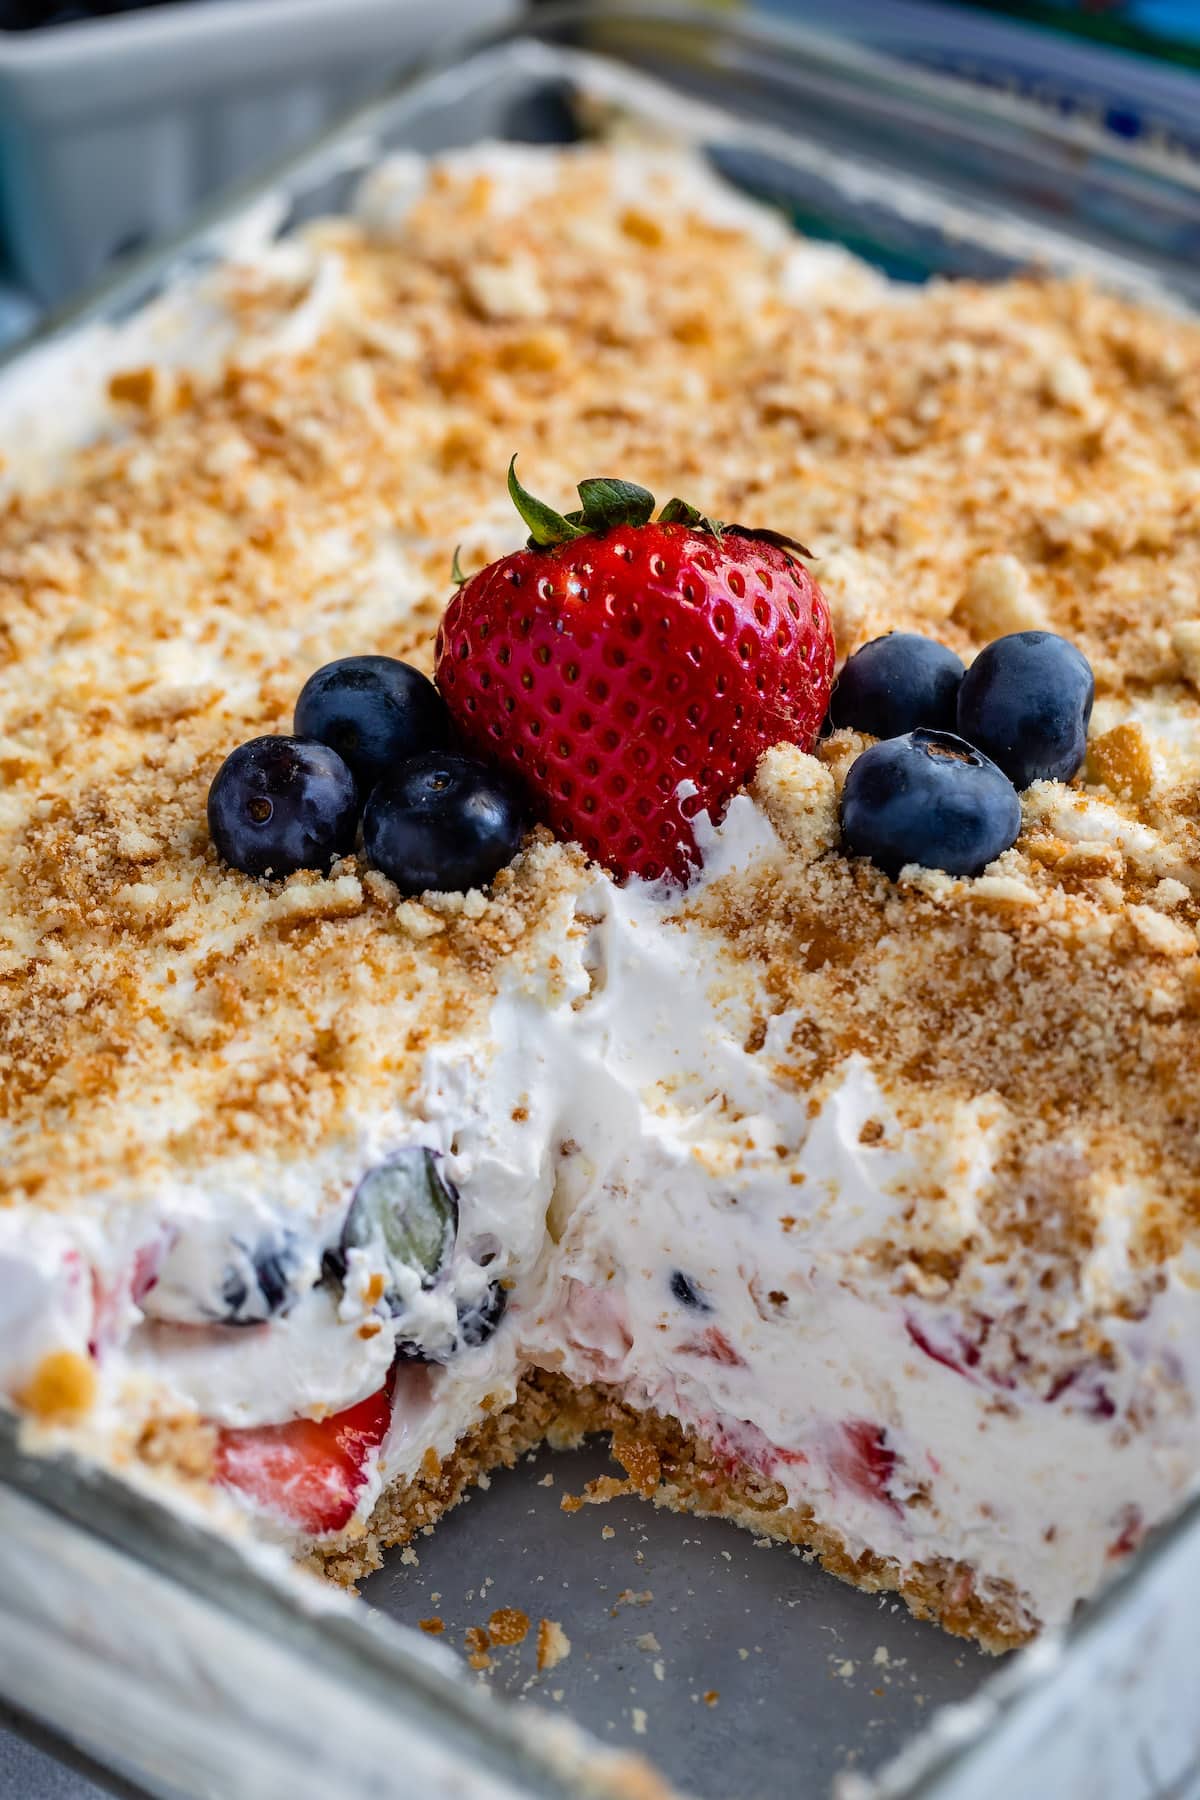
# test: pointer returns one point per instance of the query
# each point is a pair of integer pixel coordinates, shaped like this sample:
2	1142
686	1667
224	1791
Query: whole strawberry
618	657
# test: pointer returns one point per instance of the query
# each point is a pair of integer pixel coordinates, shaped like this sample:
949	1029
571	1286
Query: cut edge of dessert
716	835
678	1469
668	632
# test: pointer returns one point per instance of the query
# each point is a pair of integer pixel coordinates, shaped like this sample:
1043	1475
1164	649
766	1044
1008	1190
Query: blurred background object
1160	27
117	117
1130	66
34	15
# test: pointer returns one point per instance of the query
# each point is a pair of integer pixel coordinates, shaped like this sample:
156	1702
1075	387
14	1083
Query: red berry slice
309	1472
865	1461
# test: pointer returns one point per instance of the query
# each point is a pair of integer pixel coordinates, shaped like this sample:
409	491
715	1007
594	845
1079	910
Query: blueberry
479	1321
375	712
270	1287
260	1285
408	1214
928	798
895	684
689	1292
278	804
231	1281
1026	701
441	821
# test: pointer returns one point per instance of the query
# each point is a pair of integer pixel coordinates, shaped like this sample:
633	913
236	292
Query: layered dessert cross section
856	1203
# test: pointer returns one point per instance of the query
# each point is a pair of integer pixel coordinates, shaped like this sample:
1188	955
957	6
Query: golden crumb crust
964	459
676	1469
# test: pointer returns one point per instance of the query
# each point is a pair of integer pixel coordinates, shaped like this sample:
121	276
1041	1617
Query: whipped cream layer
712	1251
674	1217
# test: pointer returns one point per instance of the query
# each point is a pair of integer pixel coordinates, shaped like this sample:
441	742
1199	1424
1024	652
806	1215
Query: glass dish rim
1071	136
110	296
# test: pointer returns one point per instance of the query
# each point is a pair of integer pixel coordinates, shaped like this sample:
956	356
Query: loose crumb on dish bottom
674	1468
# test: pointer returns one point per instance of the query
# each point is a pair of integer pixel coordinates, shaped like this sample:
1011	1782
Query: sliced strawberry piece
716	1346
1133	1530
865	1461
739	1445
307	1471
953	1349
147	1262
110	1301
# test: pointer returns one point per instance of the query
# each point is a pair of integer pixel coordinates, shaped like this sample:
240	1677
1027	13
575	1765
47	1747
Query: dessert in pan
482	968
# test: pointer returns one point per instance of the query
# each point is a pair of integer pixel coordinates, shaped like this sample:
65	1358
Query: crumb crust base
672	1467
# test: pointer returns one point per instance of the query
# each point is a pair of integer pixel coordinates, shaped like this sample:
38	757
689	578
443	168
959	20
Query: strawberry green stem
546	526
607	502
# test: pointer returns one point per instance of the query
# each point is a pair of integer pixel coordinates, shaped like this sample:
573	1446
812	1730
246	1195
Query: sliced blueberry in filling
237	1282
269	1292
407	1214
479	1321
689	1292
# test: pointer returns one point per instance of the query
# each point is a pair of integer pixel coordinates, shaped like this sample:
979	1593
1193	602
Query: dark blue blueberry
1026	701
479	1321
239	1282
688	1292
375	712
278	804
442	821
408	1215
895	684
261	1284
272	1275
932	799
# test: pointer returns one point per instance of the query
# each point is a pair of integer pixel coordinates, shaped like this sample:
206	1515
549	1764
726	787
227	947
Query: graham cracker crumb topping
508	1625
61	1390
553	1644
971	460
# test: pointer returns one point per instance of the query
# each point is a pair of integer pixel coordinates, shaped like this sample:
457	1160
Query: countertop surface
29	1772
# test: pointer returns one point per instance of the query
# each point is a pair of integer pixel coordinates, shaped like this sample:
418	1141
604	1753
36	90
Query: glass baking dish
192	1669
